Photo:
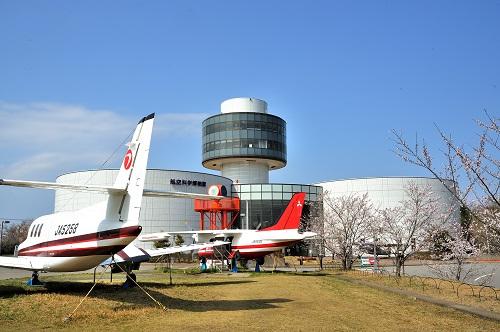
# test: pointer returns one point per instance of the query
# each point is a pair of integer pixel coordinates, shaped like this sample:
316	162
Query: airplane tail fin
133	173
290	219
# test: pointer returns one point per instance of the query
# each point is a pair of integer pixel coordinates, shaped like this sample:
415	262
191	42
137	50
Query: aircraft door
230	240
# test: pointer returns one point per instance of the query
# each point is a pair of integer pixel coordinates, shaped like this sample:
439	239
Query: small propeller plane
251	244
96	235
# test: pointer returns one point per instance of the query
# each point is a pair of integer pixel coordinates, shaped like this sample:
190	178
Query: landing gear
258	262
34	281
131	280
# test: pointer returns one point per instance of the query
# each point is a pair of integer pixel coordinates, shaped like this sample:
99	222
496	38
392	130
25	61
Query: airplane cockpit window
39	230
32	230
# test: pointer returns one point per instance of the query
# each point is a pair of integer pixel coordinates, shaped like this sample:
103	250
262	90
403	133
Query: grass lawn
216	302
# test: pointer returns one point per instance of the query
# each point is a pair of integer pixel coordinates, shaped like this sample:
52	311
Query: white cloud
43	140
46	163
44	124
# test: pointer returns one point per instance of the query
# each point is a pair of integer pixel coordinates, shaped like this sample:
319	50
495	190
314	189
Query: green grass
246	301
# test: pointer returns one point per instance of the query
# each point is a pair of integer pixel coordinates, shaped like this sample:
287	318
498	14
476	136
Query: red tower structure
221	213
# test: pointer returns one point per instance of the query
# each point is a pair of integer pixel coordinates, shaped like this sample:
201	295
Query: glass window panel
266	187
256	188
277	187
314	197
278	208
287	196
306	189
256	195
245	196
287	188
243	187
267	214
296	189
267	196
277	195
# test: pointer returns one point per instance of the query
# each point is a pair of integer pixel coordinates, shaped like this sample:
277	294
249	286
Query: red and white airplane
252	244
84	239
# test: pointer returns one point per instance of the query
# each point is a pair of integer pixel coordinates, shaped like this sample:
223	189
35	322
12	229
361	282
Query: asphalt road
478	273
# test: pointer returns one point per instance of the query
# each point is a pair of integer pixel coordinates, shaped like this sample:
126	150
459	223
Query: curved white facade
243	104
246	172
157	214
387	192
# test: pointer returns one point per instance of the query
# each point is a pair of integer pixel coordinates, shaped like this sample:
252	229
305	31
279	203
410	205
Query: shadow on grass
134	298
8	291
212	305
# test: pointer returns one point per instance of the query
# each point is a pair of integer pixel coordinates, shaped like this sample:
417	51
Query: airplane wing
53	185
285	236
164	235
175	194
23	263
188	247
109	190
134	254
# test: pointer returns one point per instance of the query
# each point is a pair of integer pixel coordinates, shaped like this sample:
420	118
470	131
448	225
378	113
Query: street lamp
1	234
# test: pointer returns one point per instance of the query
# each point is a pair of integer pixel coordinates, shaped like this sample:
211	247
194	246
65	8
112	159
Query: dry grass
224	302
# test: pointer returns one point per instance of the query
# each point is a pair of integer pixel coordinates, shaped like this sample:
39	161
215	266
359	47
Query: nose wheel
34	281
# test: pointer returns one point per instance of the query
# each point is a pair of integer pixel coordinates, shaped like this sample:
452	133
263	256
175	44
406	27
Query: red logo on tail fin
127	161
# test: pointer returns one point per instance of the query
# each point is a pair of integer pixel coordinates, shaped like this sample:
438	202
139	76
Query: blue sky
75	77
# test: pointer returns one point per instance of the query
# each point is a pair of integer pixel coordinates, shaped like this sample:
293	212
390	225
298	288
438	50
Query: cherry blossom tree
345	221
405	228
470	174
454	248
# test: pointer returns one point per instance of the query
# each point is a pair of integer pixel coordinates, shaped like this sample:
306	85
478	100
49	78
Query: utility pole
375	263
1	235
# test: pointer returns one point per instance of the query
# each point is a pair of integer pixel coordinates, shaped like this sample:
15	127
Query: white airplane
83	239
252	244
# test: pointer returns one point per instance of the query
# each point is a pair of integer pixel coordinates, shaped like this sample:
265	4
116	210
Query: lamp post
1	234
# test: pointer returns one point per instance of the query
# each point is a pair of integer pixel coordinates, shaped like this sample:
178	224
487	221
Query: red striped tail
290	219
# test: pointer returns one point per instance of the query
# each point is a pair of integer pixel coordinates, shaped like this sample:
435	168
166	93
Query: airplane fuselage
74	241
252	244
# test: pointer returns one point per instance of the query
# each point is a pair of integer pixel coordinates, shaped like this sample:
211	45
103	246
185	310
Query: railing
460	288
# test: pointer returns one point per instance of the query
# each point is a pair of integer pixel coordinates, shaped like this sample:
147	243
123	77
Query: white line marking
489	274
